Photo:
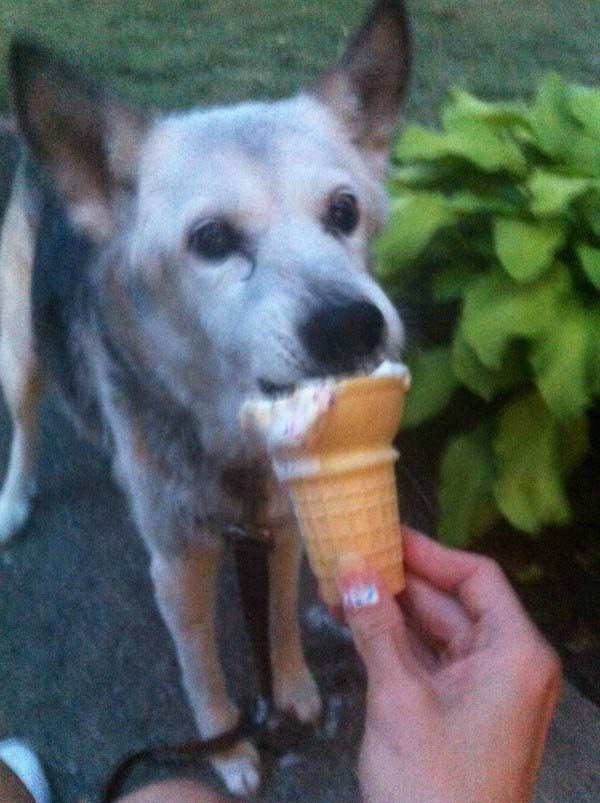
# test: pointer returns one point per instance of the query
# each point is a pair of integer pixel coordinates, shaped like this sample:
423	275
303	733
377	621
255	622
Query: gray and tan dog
159	270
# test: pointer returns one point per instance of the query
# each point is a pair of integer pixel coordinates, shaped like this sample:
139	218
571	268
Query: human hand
461	685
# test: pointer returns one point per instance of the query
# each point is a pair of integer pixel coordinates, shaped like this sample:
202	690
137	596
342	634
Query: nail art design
360	596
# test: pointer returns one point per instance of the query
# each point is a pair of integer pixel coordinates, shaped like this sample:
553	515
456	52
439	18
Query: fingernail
357	583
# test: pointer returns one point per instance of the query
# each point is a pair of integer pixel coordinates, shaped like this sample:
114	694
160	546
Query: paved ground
88	674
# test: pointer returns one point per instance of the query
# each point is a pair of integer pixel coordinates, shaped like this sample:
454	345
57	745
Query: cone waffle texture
354	512
343	485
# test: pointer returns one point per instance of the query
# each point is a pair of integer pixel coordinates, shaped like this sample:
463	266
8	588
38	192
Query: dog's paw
14	512
297	694
239	768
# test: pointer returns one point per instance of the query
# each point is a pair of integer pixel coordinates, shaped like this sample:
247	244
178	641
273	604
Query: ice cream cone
342	483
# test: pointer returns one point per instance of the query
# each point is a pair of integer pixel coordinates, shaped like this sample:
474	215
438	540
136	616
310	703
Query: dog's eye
214	240
342	214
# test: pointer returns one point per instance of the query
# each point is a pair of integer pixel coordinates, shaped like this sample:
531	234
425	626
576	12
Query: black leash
251	560
175	754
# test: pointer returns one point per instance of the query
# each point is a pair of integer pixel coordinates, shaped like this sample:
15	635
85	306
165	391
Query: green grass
172	53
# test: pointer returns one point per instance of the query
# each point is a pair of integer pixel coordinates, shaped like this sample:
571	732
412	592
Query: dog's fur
156	328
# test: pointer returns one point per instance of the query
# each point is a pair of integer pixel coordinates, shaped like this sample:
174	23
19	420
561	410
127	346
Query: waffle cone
349	513
343	486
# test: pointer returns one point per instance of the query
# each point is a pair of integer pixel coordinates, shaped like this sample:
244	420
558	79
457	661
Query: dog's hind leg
185	588
22	394
20	375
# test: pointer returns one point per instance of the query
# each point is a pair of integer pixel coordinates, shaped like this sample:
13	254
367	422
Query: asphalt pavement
88	672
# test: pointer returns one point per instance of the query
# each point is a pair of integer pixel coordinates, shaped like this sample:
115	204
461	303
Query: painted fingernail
360	596
358	584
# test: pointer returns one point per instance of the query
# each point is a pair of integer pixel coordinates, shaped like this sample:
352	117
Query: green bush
497	219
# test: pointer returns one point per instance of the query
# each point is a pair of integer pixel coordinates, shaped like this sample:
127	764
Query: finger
538	713
477	581
376	624
444	568
439	617
553	696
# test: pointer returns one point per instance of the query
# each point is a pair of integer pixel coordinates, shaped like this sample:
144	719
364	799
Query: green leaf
566	361
414	221
451	282
418	143
589	209
413	176
478	142
558	132
575	443
550	116
553	194
498	114
433	383
467	505
471	203
470	370
481	380
590	262
583	155
497	310
470	139
584	103
530	486
527	249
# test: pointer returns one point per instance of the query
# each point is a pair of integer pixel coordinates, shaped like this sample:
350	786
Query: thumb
375	620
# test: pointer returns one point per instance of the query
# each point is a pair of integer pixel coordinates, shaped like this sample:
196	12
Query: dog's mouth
281	390
276	391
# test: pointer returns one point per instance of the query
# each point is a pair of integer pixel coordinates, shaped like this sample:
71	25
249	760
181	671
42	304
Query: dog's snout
341	336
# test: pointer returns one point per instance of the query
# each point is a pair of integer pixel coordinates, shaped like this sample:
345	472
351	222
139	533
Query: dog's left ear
86	140
366	89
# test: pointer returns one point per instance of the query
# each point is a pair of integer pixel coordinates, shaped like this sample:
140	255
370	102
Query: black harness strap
251	559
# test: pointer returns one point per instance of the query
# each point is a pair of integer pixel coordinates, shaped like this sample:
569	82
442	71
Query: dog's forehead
263	146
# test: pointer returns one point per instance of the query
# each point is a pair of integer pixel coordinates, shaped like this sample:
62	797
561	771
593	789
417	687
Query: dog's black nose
339	337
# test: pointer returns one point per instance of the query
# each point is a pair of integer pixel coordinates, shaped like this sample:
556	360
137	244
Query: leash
251	553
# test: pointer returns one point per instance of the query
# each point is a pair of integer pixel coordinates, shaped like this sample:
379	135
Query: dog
159	270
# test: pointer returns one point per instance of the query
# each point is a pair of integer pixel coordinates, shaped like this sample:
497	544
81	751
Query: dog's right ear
88	142
366	89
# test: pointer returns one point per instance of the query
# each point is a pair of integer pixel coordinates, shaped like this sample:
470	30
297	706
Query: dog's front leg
20	373
294	687
185	588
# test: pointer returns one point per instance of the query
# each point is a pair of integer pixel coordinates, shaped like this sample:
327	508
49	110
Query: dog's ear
87	141
366	89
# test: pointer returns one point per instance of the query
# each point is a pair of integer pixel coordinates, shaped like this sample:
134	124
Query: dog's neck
170	438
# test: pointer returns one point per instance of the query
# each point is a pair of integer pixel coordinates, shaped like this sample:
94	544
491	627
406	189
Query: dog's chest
162	458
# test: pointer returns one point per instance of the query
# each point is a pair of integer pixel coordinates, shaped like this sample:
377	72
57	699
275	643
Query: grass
173	53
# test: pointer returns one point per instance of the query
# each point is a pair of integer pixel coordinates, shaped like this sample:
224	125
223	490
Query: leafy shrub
497	217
